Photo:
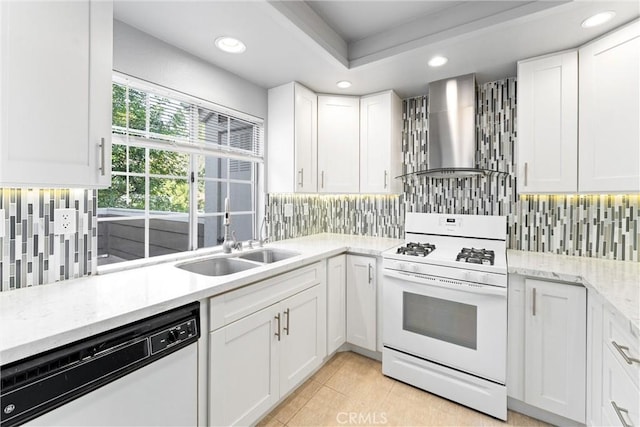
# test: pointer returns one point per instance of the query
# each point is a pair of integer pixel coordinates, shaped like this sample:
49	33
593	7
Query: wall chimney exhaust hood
451	145
452	151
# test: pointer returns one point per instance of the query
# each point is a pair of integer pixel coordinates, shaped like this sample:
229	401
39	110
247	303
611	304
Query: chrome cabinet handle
322	179
370	273
386	174
277	317
102	161
621	349
534	301
619	412
526	173
301	177
286	328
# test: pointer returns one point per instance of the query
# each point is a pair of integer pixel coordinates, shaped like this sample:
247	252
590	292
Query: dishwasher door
163	393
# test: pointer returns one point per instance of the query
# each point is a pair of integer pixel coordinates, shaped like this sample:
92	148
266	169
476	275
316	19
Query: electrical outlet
2	221
305	208
288	210
64	221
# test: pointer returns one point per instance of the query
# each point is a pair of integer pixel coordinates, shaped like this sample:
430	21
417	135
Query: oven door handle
472	288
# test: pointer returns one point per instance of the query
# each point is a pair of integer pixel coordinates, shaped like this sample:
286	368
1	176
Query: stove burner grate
416	249
476	256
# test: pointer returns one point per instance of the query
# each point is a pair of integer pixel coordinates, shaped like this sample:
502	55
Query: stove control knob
415	268
468	276
401	266
483	278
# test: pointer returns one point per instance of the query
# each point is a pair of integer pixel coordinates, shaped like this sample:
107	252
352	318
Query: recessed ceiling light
598	19
231	45
343	84
437	61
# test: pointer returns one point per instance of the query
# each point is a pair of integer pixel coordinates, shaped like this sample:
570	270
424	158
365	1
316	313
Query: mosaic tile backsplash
366	215
602	226
30	253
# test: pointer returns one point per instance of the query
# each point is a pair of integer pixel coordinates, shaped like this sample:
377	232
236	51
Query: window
175	160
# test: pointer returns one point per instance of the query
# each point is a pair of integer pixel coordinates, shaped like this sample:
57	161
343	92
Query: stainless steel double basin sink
222	266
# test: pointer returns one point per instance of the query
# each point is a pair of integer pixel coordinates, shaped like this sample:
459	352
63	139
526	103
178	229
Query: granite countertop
616	282
39	318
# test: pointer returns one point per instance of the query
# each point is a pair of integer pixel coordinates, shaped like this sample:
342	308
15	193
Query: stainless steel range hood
452	128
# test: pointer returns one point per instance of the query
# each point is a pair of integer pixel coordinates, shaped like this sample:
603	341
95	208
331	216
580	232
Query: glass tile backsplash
30	252
602	226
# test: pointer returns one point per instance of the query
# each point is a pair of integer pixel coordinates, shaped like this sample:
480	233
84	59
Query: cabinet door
515	337
361	301
555	348
336	302
55	113
594	360
620	396
548	124
609	111
338	144
244	369
306	139
303	342
380	143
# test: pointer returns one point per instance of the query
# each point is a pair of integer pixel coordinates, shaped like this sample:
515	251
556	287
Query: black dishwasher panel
38	384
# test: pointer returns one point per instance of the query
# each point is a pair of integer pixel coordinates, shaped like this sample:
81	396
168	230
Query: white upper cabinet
338	144
292	139
380	143
609	112
55	81
548	124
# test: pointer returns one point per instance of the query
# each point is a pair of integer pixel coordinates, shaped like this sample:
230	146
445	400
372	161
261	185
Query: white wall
140	55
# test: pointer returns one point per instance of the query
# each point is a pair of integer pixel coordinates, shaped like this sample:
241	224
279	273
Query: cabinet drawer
234	305
620	396
623	345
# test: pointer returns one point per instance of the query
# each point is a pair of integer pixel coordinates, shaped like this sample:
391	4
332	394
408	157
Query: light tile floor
351	390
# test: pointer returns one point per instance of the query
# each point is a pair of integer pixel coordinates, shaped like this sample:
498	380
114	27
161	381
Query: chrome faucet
230	241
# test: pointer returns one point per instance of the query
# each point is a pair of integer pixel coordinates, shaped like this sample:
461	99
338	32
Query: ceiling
377	45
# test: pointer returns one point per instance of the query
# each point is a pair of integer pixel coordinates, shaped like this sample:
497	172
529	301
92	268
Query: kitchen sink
269	255
217	266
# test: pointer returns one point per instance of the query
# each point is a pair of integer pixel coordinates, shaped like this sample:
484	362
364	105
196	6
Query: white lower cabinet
257	359
594	360
361	301
553	327
620	395
336	302
244	369
302	336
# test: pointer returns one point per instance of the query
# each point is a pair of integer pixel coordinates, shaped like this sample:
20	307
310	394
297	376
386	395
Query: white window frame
193	150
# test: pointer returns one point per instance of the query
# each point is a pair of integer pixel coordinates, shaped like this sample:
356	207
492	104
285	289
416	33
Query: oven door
458	324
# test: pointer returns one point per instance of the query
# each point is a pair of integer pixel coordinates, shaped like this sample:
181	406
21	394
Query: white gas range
445	309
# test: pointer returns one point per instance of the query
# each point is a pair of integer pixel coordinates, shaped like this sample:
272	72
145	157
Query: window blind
171	121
